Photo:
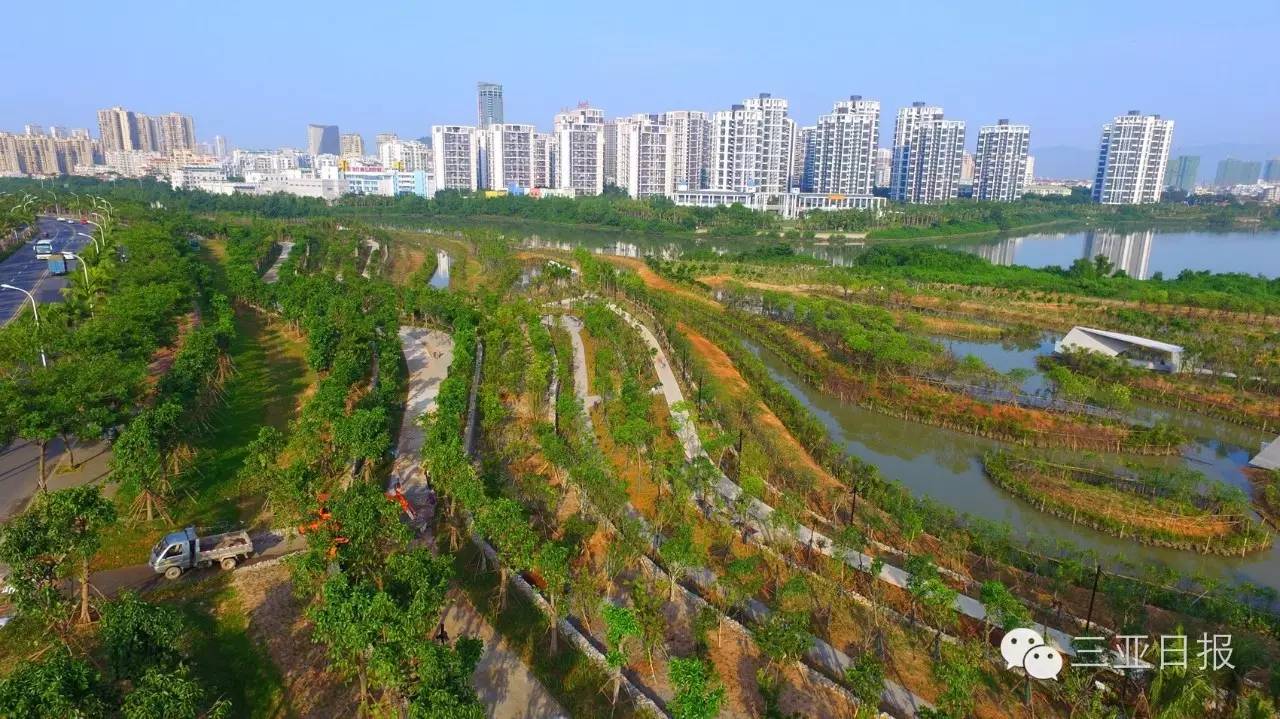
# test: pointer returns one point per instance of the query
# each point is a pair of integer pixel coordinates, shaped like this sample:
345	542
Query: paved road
22	269
504	682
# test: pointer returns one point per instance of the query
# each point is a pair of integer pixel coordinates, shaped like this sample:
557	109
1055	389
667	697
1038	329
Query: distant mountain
1065	163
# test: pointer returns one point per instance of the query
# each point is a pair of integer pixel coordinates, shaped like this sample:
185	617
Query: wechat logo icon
1026	648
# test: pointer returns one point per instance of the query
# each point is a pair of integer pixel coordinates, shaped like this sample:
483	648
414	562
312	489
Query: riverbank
1126	507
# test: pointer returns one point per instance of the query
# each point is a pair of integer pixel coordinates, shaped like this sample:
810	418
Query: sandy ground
312	691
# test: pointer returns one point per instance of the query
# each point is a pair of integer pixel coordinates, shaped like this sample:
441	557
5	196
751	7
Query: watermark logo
1026	648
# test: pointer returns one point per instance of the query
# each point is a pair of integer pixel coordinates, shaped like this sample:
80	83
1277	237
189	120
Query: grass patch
574	681
227	659
270	377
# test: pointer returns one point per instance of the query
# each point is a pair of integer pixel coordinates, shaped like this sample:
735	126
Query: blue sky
258	72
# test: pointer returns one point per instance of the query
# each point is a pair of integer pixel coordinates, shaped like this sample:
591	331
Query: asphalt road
18	460
22	269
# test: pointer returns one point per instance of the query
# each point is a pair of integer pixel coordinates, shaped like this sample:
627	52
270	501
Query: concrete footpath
506	686
20	462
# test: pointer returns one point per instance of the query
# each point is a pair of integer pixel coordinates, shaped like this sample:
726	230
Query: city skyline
1047	88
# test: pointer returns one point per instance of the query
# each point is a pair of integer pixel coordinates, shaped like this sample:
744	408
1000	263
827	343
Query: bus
44	249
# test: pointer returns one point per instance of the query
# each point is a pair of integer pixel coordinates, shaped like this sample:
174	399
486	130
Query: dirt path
723	368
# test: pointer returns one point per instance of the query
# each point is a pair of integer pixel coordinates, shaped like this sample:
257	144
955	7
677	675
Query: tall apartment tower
928	151
1237	172
1000	164
508	152
611	152
544	157
221	149
802	147
1132	158
323	140
844	148
456	157
580	146
751	146
1182	172
645	156
119	130
351	144
884	166
174	132
488	104
691	148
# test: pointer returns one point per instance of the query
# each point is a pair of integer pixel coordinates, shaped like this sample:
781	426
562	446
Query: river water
946	465
440	279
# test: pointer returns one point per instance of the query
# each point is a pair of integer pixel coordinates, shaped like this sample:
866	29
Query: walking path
762	512
504	682
902	700
273	272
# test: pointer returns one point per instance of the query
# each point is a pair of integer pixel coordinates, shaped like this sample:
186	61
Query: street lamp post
34	313
83	265
92	239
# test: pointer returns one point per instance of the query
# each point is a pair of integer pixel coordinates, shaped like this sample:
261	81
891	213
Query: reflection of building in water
1128	251
998	253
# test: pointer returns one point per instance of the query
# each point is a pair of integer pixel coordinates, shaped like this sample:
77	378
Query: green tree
174	694
56	537
621	628
698	695
865	678
680	554
57	686
138	636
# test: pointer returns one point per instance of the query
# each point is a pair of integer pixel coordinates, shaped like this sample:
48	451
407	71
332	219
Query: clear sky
258	72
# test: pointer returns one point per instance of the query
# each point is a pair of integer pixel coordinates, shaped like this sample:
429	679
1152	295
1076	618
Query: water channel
440	279
1141	253
946	465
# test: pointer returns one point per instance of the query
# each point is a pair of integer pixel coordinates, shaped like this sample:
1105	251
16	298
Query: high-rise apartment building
580	146
691	147
221	149
1182	172
645	156
32	129
1132	157
508	152
844	148
752	146
174	132
1272	171
802	148
1000	164
488	104
41	154
456	157
927	153
610	153
884	166
1237	172
544	159
118	130
351	145
323	140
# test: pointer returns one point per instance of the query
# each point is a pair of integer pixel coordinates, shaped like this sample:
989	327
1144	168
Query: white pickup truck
184	549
